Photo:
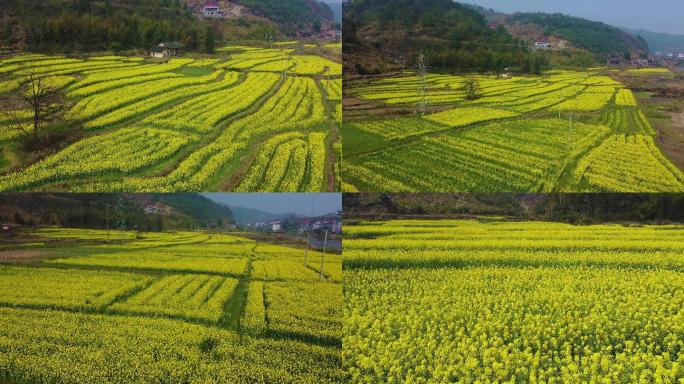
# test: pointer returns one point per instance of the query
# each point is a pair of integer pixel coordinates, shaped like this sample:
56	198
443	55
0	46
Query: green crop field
170	307
563	131
230	122
513	302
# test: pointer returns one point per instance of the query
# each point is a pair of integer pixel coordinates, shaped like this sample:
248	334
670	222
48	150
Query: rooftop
172	44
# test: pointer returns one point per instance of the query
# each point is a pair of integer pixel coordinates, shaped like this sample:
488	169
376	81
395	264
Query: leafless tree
38	97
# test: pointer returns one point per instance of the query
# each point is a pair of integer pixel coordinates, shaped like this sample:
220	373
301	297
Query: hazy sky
655	15
299	203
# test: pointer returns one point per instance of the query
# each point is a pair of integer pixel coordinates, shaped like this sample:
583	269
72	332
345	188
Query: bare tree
38	97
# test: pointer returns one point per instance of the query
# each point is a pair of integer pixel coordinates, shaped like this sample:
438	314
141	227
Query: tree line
575	208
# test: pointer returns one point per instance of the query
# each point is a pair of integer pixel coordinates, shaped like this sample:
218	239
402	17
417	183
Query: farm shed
167	49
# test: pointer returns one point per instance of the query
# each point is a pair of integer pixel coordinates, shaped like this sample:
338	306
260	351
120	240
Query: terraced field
563	131
468	301
221	123
162	307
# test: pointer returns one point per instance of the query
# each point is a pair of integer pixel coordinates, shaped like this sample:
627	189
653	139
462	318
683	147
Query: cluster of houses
671	55
324	34
211	9
330	223
269	225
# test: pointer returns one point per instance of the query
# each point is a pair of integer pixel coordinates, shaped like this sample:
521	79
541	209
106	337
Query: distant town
330	223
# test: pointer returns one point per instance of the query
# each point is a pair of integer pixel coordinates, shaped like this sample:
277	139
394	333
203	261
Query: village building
329	34
542	43
332	224
211	9
155	209
167	49
301	33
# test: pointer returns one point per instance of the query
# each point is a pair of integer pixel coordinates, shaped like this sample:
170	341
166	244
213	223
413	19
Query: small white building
275	226
542	43
211	9
167	49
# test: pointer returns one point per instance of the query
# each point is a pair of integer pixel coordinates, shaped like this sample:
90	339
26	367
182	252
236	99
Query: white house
542	43
167	49
211	9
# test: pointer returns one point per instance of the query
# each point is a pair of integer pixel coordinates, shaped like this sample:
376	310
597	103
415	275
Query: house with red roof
212	9
542	43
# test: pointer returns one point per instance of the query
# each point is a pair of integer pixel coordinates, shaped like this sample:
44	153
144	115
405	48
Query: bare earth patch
20	256
671	139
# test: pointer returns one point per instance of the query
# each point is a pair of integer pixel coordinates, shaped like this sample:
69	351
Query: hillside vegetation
85	25
186	210
385	35
603	40
291	11
99	25
568	207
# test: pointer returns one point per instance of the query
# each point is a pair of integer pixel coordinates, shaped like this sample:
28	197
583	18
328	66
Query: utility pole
570	133
325	242
421	73
308	231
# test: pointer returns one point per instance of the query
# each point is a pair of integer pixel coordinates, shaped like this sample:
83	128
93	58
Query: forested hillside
603	40
87	25
384	35
291	11
96	210
99	25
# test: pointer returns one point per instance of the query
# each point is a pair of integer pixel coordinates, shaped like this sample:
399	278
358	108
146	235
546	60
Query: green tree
471	87
209	40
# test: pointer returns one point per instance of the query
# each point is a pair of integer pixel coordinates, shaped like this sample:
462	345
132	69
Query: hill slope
291	11
659	42
386	35
183	210
602	40
249	215
97	25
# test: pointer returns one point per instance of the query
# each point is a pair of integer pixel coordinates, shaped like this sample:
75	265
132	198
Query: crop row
629	164
189	296
511	156
55	346
124	151
114	99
